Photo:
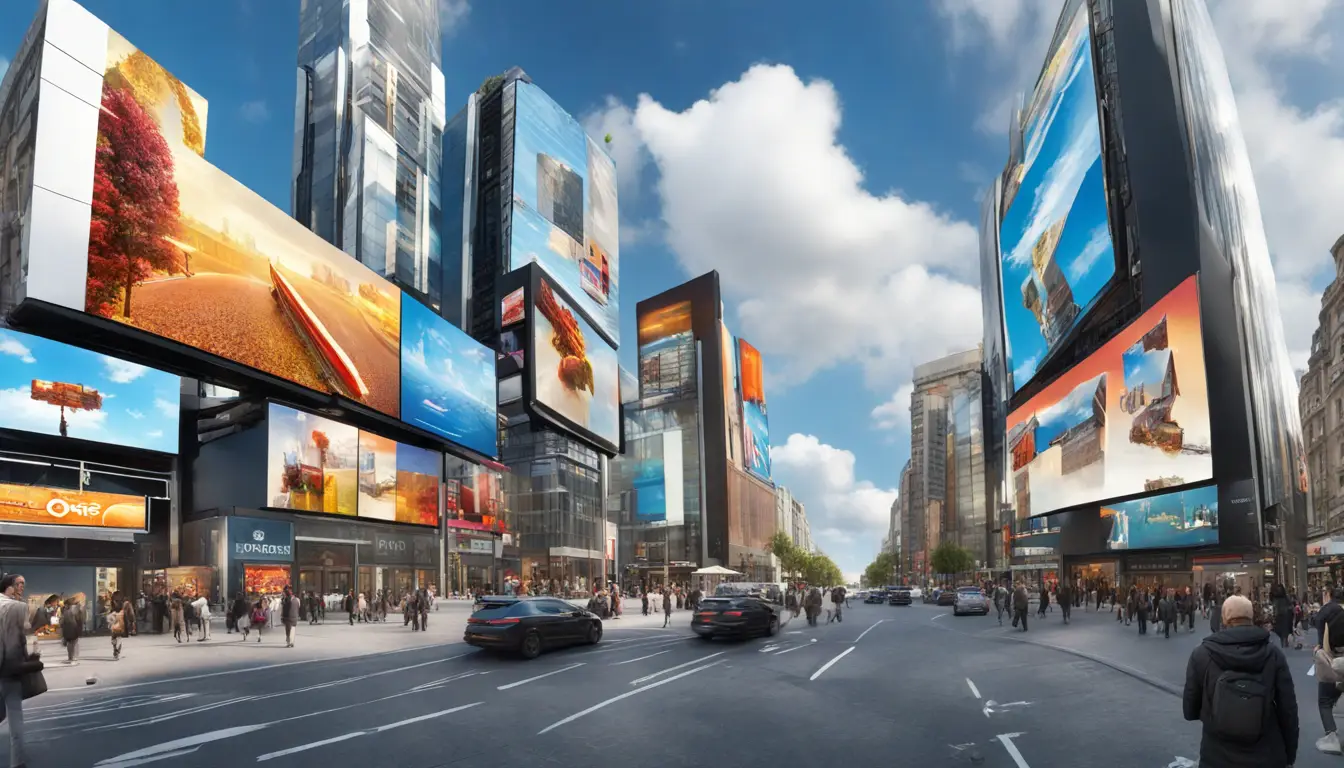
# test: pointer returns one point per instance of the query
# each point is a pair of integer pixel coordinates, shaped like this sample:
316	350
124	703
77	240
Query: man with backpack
838	600
1239	687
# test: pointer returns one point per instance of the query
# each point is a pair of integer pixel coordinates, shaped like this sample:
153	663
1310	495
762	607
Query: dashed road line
866	631
539	677
1007	740
974	690
625	695
662	672
365	732
641	658
828	664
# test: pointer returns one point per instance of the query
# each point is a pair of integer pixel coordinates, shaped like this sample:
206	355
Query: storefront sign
475	545
392	548
1169	561
258	540
38	505
1034	567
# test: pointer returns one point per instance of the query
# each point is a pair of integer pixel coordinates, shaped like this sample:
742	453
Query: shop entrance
326	569
1095	576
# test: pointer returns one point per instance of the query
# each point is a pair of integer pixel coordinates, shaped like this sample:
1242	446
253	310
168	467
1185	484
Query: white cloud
452	15
255	112
894	414
134	414
848	516
122	372
154	434
1099	243
166	407
627	149
28	415
15	348
753	183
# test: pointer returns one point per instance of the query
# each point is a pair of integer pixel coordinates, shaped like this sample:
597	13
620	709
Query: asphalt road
889	686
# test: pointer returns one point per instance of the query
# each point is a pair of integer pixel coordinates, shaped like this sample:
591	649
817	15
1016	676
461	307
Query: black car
530	625
900	597
735	617
876	596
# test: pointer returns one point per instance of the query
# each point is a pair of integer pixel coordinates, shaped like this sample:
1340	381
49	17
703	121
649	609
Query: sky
826	159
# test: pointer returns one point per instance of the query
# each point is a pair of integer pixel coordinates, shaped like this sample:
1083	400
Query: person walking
667	607
72	626
118	625
176	616
289	615
257	619
1065	599
1240	688
13	656
1330	619
1044	602
201	608
1141	608
1021	605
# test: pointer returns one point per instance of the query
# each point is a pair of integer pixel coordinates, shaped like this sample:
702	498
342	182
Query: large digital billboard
377	477
56	389
1055	236
657	479
312	463
666	354
418	475
447	380
1186	518
565	208
755	417
1131	418
37	505
574	370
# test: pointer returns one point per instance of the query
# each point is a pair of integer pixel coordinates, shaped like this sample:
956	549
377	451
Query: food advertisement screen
511	308
1055	237
312	463
564	207
574	370
56	389
447	380
1178	519
38	505
1132	417
755	417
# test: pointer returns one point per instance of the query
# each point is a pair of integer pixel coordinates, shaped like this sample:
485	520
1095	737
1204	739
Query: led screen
1179	519
377	477
37	505
448	380
56	389
312	463
574	370
1132	417
418	473
511	308
179	249
732	403
755	418
564	207
657	478
1055	237
666	354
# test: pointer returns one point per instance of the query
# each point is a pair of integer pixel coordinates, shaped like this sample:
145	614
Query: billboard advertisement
755	418
312	463
574	370
179	249
56	389
564	207
377	477
666	354
657	478
1131	418
37	505
1179	519
418	474
511	308
732	406
447	380
1055	238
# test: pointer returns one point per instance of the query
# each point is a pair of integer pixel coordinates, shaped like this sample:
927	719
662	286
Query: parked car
946	597
735	617
970	600
916	594
530	625
876	596
900	597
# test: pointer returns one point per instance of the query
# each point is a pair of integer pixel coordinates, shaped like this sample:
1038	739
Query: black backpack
1239	704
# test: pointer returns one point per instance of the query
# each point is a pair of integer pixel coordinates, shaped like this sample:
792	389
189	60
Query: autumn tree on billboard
135	205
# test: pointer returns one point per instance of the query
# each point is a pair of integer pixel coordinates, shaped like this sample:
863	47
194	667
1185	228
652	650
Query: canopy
716	570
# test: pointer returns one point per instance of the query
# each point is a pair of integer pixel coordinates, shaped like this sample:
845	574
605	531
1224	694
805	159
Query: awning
715	570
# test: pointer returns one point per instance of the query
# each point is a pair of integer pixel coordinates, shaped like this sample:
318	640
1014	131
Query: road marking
641	658
828	664
646	644
1007	740
870	629
97	708
993	706
939	616
624	696
974	690
156	719
445	680
366	732
769	648
790	650
1182	762
795	632
539	677
662	672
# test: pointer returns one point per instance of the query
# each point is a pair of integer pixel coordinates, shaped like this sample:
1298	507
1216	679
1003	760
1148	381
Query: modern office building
369	116
893	544
1321	402
905	548
1143	418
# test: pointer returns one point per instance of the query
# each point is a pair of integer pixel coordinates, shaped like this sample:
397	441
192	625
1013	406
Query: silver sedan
970	600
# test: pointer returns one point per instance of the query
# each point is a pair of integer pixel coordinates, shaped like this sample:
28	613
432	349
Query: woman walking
177	616
72	626
119	622
13	655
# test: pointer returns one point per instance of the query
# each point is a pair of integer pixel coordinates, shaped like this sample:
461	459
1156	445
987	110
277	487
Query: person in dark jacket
1021	605
1242	647
1327	694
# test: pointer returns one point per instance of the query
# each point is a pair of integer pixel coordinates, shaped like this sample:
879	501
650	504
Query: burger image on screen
575	371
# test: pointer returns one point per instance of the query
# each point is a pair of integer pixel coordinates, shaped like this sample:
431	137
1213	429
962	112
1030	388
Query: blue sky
825	158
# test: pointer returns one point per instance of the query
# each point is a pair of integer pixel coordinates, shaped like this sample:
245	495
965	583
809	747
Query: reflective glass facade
655	542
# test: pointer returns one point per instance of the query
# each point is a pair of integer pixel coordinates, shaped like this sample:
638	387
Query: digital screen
755	418
377	477
565	207
56	389
657	478
312	463
448	380
179	249
1131	418
511	308
418	473
666	354
38	505
265	579
1179	519
1057	254
574	370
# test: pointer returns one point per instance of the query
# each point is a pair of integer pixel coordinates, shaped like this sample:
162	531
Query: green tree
791	557
948	558
820	570
881	571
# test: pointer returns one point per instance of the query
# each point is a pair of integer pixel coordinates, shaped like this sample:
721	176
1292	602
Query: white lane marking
445	680
624	696
870	629
357	678
939	616
154	759
974	690
795	632
646	644
791	650
1182	762
156	719
662	672
98	708
1007	740
993	706
366	732
641	658
828	664
539	677
769	648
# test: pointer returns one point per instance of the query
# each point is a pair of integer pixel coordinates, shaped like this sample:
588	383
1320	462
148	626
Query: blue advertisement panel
1055	236
1179	519
650	491
447	380
565	208
262	541
56	389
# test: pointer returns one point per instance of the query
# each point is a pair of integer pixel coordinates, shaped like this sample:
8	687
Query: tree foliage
820	570
950	558
135	205
882	570
792	559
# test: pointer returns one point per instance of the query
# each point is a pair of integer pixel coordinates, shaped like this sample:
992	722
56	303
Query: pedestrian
177	616
289	615
423	605
13	656
1167	611
1044	602
667	606
1141	607
257	619
117	623
1240	688
1021	605
351	605
201	609
644	601
72	626
1065	599
1329	624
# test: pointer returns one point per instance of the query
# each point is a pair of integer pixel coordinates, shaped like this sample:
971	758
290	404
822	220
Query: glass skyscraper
369	116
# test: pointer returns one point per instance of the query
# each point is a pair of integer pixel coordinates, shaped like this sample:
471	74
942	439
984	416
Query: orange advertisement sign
37	505
750	374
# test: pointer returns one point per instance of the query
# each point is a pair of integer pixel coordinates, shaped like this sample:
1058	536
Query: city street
891	685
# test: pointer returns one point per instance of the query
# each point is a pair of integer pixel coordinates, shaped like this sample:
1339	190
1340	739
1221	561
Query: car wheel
595	633
773	628
531	646
706	637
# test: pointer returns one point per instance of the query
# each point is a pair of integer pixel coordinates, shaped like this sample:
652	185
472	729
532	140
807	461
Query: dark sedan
876	596
900	597
530	625
947	597
735	617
